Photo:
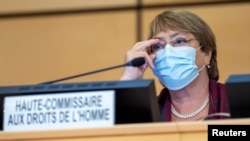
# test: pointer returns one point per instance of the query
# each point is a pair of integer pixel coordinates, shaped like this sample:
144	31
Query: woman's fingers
139	50
142	46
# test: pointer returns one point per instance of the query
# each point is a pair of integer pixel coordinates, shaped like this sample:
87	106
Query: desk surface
174	131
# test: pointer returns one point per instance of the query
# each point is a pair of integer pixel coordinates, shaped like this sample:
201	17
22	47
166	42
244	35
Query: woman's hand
139	50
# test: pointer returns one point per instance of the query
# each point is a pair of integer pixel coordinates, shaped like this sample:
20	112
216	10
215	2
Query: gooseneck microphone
134	63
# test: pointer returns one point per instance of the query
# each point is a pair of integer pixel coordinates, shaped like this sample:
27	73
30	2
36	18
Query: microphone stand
83	74
135	63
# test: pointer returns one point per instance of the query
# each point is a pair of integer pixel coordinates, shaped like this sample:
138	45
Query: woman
181	52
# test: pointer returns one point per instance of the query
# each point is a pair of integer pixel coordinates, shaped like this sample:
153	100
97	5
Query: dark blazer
218	102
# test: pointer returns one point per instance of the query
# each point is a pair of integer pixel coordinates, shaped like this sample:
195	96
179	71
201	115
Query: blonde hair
188	22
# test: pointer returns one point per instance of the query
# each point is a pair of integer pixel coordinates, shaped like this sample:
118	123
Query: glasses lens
159	46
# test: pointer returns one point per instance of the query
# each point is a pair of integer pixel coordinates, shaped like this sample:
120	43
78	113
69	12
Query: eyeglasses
175	43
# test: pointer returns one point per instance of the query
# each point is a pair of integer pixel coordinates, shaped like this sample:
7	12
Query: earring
208	66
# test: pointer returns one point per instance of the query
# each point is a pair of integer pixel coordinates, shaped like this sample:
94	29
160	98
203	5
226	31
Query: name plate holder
78	105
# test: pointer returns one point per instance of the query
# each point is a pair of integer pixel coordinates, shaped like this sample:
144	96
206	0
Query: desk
174	131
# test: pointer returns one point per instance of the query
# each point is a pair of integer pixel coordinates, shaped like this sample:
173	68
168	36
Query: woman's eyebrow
171	36
174	35
160	38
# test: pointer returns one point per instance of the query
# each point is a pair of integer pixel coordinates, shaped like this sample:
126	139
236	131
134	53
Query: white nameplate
59	111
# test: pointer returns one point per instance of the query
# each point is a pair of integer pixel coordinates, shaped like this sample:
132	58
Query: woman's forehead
172	34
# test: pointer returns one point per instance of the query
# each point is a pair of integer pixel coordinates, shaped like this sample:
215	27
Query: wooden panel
152	2
16	6
37	49
162	137
174	131
230	23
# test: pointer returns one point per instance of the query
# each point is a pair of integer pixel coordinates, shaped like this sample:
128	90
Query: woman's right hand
139	50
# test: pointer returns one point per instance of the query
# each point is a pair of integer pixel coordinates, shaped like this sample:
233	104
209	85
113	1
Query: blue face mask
175	66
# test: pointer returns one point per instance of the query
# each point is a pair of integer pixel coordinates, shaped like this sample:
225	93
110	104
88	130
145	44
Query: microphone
134	63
